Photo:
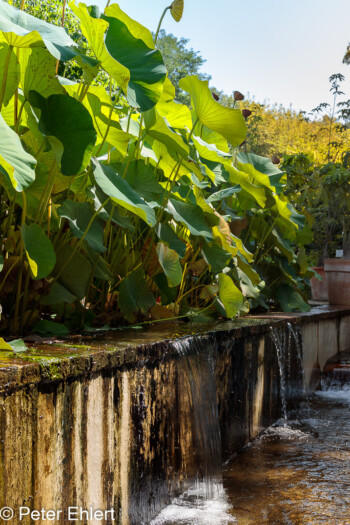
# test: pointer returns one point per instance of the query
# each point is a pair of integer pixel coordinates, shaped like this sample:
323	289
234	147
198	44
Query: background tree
180	61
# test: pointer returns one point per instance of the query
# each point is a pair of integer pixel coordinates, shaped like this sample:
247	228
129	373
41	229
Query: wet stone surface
293	475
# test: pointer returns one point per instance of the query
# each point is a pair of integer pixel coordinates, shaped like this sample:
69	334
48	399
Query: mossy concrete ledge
109	423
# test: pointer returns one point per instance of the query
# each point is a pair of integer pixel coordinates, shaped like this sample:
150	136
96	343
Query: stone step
339	372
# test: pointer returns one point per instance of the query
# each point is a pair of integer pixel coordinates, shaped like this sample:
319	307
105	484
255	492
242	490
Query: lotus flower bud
237	95
246	113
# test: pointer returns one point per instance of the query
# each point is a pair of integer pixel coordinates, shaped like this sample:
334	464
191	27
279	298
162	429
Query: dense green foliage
122	204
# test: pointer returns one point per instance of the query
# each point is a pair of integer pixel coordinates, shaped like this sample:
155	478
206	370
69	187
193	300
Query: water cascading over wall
127	423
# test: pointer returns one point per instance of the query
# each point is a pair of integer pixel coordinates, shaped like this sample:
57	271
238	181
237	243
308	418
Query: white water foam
335	393
282	432
193	508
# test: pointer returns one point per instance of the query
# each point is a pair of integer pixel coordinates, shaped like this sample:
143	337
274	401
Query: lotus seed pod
246	113
237	95
177	9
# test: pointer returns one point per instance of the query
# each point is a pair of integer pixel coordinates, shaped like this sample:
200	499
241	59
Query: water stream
198	367
282	345
296	473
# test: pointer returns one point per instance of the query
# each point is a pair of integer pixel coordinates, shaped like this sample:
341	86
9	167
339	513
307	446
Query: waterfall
198	367
296	333
282	346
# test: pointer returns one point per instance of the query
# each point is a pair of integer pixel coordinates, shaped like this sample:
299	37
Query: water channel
293	474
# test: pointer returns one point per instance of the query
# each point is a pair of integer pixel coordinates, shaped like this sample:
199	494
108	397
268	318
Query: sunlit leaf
226	121
15	163
131	44
19	29
169	261
8	65
117	188
230	296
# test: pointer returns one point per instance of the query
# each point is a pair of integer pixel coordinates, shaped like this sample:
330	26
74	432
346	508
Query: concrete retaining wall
109	425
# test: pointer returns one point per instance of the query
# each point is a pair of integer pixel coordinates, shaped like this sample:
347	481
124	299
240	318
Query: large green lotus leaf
215	256
177	115
209	151
131	44
121	192
15	163
94	30
46	327
264	165
210	136
79	215
281	208
69	121
106	124
243	180
108	211
166	162
8	63
290	299
39	250
246	285
134	296
142	179
38	72
76	275
169	261
282	244
58	294
243	265
230	296
46	166
226	121
158	129
220	195
191	215
19	29
241	248
256	177
169	237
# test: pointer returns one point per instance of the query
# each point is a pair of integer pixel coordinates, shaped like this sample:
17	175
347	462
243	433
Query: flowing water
282	346
198	368
297	474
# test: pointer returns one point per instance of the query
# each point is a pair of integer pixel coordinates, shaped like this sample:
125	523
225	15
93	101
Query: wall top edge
63	359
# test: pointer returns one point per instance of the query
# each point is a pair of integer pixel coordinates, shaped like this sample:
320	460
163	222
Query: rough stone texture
113	424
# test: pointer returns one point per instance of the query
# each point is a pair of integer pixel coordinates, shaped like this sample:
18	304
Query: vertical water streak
198	365
278	340
296	333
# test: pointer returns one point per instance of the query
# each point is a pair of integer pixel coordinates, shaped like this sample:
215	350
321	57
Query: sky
277	51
